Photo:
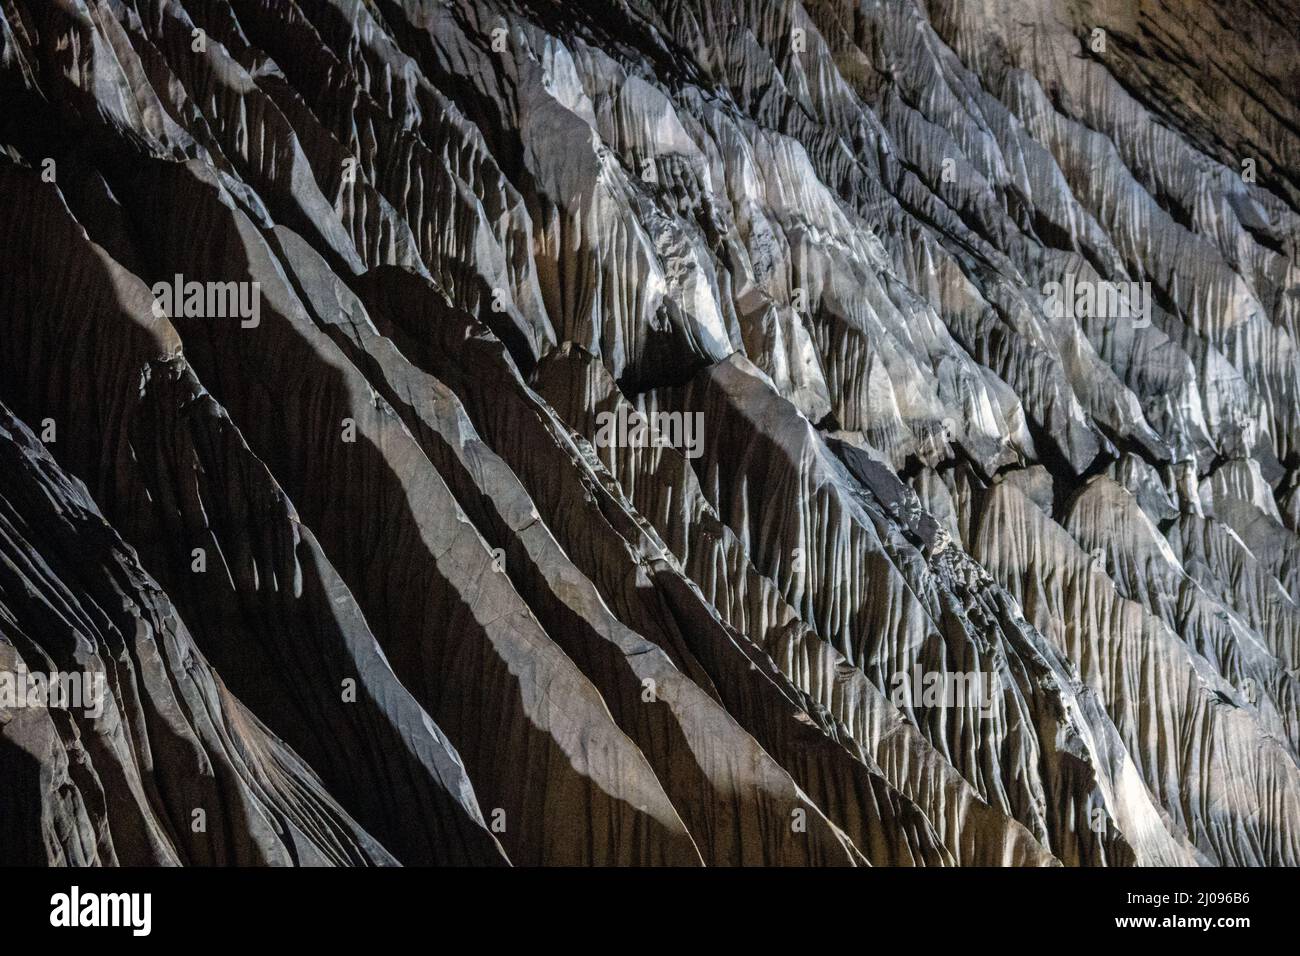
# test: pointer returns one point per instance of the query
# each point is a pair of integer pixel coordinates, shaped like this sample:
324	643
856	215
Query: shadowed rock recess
650	432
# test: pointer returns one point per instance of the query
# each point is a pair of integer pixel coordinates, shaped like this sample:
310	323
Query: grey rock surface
630	432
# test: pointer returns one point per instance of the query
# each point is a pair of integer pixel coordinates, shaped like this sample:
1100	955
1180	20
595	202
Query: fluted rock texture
649	432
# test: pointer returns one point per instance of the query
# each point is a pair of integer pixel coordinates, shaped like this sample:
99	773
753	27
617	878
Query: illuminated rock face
695	432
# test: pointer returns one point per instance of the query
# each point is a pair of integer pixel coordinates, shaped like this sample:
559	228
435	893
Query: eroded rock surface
641	433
